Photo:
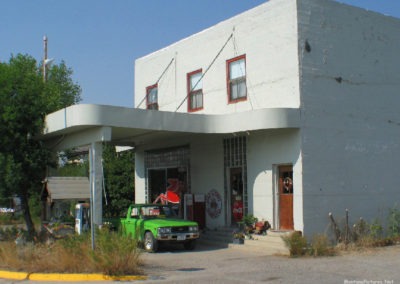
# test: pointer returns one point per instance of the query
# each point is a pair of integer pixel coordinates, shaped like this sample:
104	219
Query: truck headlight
193	229
165	230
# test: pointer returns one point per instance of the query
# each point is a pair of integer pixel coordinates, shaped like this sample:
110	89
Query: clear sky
100	39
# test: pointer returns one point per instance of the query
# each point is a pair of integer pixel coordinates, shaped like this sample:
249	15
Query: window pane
238	89
237	69
152	96
195	82
196	100
234	94
241	89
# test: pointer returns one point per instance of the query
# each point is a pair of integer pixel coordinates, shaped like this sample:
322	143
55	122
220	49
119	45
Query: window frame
229	81
190	92
153	105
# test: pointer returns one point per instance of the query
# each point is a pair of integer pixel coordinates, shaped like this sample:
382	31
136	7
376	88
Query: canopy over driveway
80	125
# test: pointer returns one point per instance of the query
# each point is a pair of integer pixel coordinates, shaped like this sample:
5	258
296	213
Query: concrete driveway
250	265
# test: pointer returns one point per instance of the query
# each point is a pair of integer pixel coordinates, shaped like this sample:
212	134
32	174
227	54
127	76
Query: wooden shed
59	192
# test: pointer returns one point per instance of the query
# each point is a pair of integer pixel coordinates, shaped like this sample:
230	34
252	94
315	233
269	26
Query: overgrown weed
320	246
114	254
368	235
296	243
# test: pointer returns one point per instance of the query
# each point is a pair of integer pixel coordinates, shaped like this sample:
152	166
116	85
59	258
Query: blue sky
100	39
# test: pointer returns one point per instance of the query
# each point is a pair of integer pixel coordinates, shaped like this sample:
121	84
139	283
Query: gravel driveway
243	265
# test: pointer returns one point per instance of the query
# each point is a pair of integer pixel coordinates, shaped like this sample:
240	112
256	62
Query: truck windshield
163	211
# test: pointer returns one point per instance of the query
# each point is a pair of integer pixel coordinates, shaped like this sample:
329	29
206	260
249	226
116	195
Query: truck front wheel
150	243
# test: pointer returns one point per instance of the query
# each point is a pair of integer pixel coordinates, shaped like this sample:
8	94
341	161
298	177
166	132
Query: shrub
320	246
9	234
10	219
249	220
376	229
296	243
393	222
363	234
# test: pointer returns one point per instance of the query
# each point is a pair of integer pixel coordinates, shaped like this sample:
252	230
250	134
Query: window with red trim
195	90
152	97
236	79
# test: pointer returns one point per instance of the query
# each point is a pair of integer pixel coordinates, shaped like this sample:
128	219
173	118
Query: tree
25	99
119	171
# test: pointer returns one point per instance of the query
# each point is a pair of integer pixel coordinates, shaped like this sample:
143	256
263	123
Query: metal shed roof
68	188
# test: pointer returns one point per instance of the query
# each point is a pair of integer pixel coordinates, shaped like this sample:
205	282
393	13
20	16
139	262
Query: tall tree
25	99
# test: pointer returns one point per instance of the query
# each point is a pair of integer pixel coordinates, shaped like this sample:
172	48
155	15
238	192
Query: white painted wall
207	169
140	181
350	112
266	150
266	34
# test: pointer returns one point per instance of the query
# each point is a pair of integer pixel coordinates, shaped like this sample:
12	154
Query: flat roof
68	188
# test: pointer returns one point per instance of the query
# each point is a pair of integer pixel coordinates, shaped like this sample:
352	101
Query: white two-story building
288	111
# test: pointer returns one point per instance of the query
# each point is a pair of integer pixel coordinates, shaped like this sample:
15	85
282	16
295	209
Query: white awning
82	124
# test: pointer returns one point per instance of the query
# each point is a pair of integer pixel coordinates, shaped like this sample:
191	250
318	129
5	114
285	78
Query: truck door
131	223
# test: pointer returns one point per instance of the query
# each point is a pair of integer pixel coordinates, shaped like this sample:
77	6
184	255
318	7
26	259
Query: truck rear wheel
190	245
150	243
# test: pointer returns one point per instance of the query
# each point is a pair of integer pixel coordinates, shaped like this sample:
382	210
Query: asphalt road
249	265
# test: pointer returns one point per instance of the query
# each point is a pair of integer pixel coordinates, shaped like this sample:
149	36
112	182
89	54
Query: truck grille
182	229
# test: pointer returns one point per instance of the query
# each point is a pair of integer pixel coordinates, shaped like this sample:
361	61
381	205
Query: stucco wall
206	163
266	34
267	150
140	182
350	118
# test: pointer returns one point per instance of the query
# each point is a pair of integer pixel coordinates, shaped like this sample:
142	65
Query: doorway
286	188
236	194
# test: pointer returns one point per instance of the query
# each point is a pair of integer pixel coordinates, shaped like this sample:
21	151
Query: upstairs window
195	90
236	79
152	97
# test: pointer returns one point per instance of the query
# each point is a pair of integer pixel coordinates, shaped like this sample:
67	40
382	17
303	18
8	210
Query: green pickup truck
153	224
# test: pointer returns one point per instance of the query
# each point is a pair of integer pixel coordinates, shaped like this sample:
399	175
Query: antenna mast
45	59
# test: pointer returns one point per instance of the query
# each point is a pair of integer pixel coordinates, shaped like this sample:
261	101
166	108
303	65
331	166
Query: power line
159	78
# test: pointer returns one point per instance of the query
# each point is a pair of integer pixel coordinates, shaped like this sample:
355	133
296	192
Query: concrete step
220	237
271	243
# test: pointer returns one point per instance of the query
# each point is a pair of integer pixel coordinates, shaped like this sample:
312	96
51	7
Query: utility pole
45	59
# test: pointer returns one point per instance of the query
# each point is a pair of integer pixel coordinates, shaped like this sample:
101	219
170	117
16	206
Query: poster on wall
213	203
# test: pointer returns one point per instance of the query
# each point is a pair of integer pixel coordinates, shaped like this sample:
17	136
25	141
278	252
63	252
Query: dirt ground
242	265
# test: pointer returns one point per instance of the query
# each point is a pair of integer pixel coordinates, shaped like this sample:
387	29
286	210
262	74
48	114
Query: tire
190	245
150	243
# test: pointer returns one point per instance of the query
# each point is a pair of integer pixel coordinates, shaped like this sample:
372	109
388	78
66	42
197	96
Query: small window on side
236	79
152	97
195	90
134	213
